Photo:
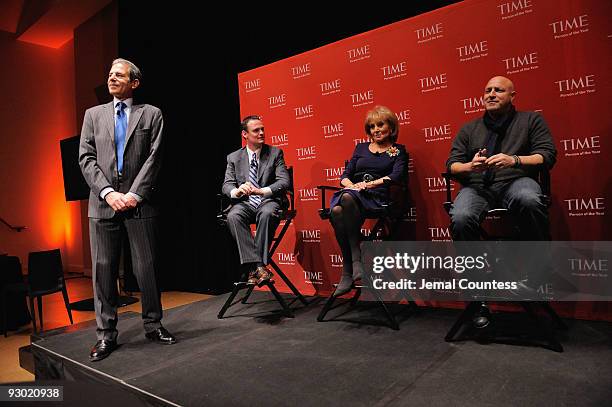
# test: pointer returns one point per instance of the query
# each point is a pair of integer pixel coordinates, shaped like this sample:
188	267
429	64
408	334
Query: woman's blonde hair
382	113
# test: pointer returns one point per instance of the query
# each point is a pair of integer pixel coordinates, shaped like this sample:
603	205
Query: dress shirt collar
250	153
128	102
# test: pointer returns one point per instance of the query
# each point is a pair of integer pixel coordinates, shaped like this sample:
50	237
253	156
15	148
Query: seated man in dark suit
255	180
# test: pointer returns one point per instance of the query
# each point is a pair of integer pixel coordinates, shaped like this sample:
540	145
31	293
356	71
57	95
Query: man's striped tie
254	200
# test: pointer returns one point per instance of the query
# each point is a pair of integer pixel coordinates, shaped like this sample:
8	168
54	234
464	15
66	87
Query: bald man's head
498	96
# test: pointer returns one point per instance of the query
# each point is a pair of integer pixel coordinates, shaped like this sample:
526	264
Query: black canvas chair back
10	270
45	271
14	306
45	276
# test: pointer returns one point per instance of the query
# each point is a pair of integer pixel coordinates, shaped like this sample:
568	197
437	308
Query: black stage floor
257	358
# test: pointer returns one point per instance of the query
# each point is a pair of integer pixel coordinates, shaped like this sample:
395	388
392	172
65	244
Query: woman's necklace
379	149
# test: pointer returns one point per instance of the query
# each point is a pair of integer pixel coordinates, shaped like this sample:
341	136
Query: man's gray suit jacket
141	158
272	172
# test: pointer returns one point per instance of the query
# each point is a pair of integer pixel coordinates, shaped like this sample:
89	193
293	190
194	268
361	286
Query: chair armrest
224	205
291	198
223	202
449	198
324	211
544	181
389	182
448	175
328	187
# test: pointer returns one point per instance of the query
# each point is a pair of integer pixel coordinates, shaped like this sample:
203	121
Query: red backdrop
431	71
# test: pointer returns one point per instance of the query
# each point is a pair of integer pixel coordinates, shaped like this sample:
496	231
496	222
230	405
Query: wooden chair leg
248	294
392	321
543	328
31	300
287	311
553	315
228	303
326	308
465	316
292	287
67	303
355	298
40	314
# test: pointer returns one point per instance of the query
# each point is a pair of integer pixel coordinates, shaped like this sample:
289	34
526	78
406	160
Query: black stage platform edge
346	360
26	359
26	356
53	367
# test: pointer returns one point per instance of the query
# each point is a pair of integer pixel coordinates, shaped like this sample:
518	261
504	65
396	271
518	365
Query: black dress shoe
102	349
482	318
161	335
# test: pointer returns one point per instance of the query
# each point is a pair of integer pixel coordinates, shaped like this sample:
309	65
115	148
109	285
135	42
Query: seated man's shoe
252	277
102	349
344	286
482	318
161	335
263	275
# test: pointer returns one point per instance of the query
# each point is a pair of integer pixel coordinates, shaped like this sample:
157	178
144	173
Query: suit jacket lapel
109	120
264	157
244	163
134	118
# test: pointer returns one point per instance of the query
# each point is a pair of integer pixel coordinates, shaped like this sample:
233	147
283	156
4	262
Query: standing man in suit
120	158
255	180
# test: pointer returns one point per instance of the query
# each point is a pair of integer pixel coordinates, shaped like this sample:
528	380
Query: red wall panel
431	71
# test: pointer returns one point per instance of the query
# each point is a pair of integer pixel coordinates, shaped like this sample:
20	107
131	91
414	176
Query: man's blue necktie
120	130
254	200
